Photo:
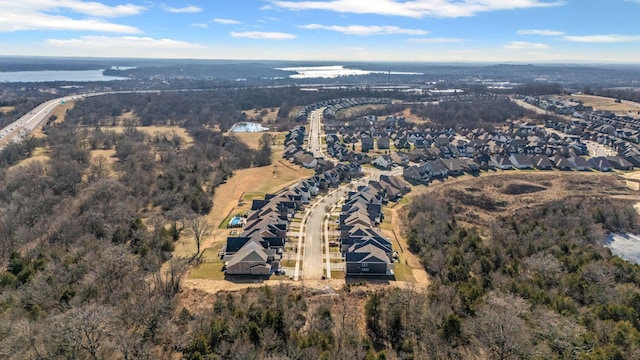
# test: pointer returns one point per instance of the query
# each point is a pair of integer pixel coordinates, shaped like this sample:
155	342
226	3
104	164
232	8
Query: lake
334	71
54	75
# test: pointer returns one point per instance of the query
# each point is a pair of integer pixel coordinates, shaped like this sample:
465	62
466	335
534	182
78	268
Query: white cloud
90	8
200	25
38	21
611	38
226	21
413	9
46	15
124	42
540	32
435	40
261	35
525	45
365	30
189	9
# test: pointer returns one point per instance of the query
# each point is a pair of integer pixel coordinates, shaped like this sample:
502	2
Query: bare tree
499	327
97	167
200	229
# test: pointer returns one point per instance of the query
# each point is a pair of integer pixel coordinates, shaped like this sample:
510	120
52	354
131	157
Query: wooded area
541	285
86	238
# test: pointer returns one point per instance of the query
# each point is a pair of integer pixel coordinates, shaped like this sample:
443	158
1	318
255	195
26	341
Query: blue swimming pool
235	221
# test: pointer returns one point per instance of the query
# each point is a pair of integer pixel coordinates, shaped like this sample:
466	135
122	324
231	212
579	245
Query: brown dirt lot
608	104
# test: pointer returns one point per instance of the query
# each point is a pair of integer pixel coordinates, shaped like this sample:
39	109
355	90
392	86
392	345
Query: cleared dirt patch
522	188
491	187
6	109
414	118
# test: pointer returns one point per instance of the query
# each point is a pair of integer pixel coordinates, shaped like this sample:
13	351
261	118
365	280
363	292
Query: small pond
248	127
626	246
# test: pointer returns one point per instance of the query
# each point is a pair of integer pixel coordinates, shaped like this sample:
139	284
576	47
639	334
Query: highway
29	121
32	119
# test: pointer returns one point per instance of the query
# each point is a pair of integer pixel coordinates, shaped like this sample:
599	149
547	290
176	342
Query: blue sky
527	31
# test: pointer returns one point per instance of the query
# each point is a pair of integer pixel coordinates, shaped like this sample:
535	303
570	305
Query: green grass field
209	268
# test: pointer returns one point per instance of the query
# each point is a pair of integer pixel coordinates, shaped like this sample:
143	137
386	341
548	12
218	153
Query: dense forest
85	238
541	285
213	108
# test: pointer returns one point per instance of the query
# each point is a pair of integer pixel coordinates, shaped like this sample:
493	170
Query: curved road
313	234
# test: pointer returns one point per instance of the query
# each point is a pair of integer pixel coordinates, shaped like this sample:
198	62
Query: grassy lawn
290	263
279	138
386	222
337	261
209	268
224	223
334	249
403	272
335	274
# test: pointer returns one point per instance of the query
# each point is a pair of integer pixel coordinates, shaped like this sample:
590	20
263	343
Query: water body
334	71
55	75
626	246
248	127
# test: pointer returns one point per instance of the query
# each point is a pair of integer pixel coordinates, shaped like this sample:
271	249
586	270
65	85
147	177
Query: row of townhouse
365	249
259	248
427	171
558	105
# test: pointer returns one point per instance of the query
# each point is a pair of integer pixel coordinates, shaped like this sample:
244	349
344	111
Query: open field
608	104
168	131
478	200
253	138
6	109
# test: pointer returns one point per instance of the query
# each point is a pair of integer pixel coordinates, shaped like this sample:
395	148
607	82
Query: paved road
312	265
314	144
33	118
